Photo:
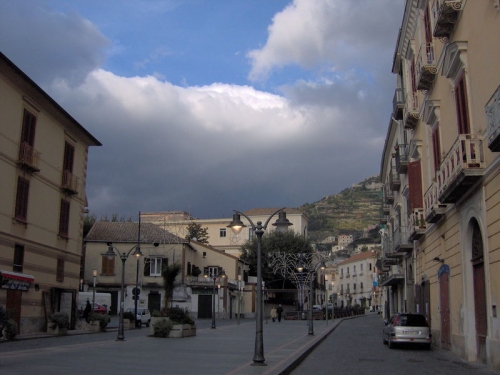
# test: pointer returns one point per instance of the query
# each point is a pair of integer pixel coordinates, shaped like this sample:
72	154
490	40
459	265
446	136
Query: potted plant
58	324
99	322
128	320
180	324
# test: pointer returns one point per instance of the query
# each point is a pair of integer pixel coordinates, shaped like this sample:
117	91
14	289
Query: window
370	266
28	132
222	232
361	267
108	266
461	104
23	187
153	266
17	265
69	156
354	286
361	285
250	234
213	271
60	270
436	148
64	219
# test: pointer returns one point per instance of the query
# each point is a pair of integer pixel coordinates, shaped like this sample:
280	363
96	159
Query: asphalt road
355	347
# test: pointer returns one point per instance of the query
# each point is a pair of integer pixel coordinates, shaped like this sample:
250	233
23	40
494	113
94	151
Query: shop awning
15	280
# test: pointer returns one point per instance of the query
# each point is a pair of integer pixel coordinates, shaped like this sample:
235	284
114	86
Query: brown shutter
415	181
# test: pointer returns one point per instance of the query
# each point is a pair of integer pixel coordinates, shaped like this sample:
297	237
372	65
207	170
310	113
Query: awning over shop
16	281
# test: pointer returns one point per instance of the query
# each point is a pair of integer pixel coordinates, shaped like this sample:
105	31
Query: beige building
43	164
194	287
220	236
440	169
358	280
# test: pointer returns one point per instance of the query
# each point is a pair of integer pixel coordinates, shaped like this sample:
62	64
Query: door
204	306
154	301
14	299
478	275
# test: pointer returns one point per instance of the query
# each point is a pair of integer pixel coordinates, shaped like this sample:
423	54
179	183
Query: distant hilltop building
345	240
374	186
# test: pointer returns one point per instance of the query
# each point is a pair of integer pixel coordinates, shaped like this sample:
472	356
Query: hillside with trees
351	211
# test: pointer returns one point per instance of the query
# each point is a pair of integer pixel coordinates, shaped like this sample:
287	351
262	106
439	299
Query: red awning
17	276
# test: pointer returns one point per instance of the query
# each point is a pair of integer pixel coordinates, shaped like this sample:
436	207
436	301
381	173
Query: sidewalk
227	350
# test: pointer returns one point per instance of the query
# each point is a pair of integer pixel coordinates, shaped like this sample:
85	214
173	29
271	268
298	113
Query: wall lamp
437	259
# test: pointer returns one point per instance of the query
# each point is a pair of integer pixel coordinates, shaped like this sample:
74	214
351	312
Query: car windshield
411	321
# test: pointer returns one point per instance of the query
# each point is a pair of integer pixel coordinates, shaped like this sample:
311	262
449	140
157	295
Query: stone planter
177	331
127	324
57	331
94	326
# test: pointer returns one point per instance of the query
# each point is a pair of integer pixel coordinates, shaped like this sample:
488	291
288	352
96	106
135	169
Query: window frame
60	270
18	261
64	213
222	232
108	266
22	199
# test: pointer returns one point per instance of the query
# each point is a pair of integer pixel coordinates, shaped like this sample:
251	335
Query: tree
169	274
194	230
275	241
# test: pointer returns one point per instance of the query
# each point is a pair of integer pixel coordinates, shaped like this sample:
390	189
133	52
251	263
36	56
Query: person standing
273	314
279	311
86	312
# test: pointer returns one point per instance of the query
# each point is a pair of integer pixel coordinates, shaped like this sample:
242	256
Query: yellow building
43	169
195	285
220	236
441	174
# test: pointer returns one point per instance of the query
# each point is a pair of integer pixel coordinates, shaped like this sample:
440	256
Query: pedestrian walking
273	314
86	312
279	311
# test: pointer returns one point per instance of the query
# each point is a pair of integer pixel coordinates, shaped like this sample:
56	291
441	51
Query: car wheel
391	345
384	341
427	346
147	323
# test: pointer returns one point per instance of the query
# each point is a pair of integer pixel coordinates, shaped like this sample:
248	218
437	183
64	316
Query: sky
210	106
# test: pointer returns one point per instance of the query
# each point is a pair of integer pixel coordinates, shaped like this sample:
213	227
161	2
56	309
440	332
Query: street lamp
313	269
326	298
282	224
239	298
112	252
94	274
222	274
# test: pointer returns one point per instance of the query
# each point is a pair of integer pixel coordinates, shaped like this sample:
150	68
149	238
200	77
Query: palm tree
169	274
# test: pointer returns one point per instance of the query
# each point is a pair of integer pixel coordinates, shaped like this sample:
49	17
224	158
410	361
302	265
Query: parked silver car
407	328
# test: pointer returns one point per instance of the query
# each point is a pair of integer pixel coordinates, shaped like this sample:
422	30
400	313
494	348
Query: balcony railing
69	182
445	14
398	104
411	114
28	157
433	209
388	195
394	180
402	243
426	66
401	158
418	225
493	118
461	168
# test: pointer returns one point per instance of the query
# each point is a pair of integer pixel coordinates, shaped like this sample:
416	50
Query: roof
105	231
358	257
40	93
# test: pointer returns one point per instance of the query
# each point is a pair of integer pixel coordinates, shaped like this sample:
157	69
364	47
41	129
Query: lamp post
236	226
313	269
326	297
94	274
222	274
113	251
239	298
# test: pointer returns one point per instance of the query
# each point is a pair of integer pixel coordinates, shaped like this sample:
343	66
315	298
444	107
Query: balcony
401	158
386	209
383	219
418	225
433	209
398	104
411	113
394	180
392	279
402	243
493	118
388	195
461	168
69	183
28	157
426	67
445	14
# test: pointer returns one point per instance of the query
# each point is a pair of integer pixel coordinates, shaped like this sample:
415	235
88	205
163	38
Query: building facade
441	174
357	280
43	164
220	236
194	287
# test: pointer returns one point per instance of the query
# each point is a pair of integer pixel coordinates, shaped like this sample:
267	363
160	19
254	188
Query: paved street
341	347
355	347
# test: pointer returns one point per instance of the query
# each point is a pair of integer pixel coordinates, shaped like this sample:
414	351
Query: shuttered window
415	185
21	210
462	106
60	270
64	218
436	148
108	266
